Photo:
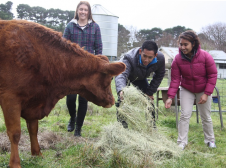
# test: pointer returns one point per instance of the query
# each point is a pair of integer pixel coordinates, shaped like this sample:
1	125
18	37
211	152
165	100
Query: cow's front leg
12	112
32	127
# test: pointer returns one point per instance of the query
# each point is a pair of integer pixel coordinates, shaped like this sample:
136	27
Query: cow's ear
103	57
115	68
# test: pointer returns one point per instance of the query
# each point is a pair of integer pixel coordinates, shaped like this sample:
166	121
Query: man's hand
168	103
121	95
203	99
151	97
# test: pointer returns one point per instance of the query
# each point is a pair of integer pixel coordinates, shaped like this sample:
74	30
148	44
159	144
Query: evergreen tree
5	11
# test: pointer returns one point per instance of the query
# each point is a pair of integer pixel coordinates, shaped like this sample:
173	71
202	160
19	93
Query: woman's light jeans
186	101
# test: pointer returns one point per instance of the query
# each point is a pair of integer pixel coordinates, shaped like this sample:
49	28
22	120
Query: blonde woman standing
84	31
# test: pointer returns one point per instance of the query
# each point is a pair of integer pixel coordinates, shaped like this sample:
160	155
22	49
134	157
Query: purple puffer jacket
199	75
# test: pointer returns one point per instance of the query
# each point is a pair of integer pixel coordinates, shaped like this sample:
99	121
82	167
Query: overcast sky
146	14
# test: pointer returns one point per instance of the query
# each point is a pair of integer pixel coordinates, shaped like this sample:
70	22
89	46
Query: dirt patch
47	140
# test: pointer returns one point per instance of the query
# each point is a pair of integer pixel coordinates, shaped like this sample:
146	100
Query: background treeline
130	37
52	18
212	37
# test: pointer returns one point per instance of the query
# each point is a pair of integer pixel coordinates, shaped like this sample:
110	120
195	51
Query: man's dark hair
150	45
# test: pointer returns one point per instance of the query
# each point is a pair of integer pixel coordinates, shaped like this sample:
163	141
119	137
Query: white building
220	60
169	53
218	56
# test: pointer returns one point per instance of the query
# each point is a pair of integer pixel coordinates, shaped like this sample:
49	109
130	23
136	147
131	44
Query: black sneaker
71	124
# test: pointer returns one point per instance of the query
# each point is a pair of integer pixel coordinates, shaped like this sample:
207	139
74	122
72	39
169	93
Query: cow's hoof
37	154
14	166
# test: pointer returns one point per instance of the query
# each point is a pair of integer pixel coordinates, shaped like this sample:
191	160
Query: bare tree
216	33
128	38
167	40
136	39
123	40
206	44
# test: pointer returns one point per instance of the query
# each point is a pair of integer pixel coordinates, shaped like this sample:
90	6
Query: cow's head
97	87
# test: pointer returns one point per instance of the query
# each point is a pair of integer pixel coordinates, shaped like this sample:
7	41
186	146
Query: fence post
168	66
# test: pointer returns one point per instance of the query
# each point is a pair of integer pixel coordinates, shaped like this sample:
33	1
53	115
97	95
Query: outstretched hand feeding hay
137	109
139	142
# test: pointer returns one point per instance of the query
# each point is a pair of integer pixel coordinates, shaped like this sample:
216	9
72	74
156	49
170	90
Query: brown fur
37	68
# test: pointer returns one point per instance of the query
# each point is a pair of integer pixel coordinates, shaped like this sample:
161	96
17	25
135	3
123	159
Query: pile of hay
140	141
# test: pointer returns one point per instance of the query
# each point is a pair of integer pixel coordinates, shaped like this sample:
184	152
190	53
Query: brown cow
37	68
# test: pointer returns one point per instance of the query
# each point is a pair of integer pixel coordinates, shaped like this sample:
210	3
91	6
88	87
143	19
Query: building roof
97	9
218	55
171	51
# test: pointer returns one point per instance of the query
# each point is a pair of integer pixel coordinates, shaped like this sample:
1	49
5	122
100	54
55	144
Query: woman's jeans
187	100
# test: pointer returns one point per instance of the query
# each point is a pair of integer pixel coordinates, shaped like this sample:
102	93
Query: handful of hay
140	141
136	109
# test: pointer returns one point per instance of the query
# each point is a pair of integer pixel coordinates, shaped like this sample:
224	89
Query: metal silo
108	23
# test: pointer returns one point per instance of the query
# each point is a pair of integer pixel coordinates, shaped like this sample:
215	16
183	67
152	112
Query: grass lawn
61	149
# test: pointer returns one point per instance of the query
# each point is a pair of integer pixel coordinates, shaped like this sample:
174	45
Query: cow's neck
70	67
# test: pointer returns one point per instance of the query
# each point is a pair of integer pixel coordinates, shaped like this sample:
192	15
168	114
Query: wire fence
221	82
220	85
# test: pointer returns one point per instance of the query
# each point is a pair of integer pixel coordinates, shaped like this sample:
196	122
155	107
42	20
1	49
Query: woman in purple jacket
195	71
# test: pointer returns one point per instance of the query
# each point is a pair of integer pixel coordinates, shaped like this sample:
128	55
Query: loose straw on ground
140	141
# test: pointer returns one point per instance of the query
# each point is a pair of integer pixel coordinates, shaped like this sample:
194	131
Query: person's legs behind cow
82	109
71	105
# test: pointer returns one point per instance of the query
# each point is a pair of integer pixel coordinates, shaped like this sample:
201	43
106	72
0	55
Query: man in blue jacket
140	63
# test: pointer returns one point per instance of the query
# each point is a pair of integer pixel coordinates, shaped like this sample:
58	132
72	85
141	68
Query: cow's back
18	53
20	63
